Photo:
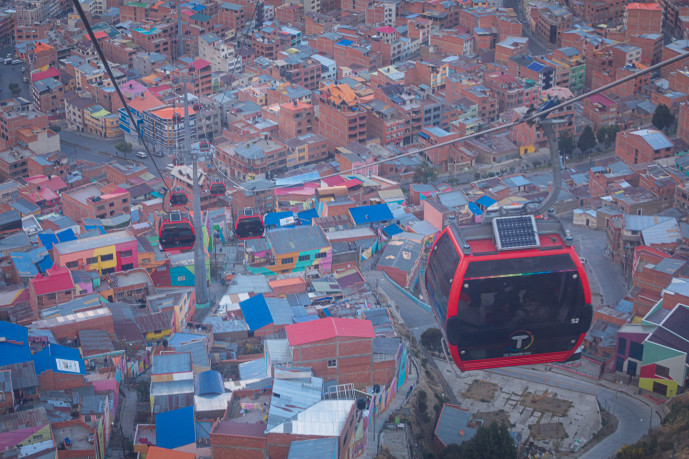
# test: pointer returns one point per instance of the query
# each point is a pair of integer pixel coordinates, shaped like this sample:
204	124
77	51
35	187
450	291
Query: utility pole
201	281
180	35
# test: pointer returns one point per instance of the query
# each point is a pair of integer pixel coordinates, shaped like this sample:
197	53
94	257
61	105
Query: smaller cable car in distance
249	225
178	197
218	189
511	293
176	232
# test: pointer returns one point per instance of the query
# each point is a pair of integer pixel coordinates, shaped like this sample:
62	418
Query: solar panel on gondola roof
512	233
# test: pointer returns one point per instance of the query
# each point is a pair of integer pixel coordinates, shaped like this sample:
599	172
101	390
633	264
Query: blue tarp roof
23	264
9	351
370	214
344	42
475	209
175	428
256	312
273	218
485	201
60	359
393	229
306	217
48	238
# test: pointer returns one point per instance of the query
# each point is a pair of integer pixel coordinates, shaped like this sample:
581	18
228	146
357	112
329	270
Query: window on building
332	363
128	266
124	201
161	268
72	264
51	296
663	372
112	204
105	272
636	350
125	254
286	261
621	345
106	257
304	257
181	278
320	255
91	260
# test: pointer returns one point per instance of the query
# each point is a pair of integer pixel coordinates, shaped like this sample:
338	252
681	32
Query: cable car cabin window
442	266
249	227
518	306
177	235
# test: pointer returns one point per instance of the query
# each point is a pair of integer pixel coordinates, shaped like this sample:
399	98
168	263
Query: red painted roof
100	34
386	29
643	6
50	73
601	99
335	180
54	280
200	64
322	329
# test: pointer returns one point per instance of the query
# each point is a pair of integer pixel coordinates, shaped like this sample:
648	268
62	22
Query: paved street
12	74
605	277
416	319
78	145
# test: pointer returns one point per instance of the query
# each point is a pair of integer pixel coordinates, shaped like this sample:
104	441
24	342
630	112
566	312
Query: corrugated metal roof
280	311
209	383
23	374
319	330
198	350
253	370
171	363
278	350
320	448
163	388
290	397
157	321
666	232
654	138
246	283
454	420
325	418
299	239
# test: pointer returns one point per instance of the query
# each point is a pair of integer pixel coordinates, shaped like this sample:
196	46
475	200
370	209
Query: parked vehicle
16	61
141	154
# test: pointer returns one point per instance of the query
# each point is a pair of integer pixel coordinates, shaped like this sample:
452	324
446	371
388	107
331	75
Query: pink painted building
109	253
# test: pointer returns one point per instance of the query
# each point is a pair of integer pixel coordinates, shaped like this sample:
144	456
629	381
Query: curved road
633	414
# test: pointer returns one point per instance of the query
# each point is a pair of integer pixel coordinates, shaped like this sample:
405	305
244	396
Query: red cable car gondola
218	189
512	294
176	232
178	198
249	225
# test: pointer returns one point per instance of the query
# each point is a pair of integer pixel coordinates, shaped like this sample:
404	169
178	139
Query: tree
430	339
123	147
587	140
15	89
566	144
602	134
425	172
662	117
489	442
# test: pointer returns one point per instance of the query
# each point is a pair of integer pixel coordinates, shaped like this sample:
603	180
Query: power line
108	70
522	120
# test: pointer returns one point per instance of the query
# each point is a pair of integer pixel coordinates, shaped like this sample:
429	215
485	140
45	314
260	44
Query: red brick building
651	47
338	349
601	110
342	118
94	200
641	146
641	18
683	122
50	289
